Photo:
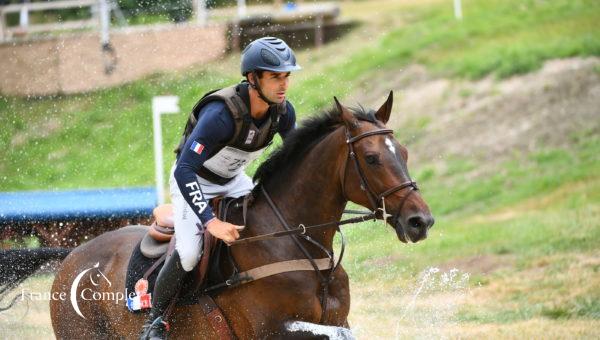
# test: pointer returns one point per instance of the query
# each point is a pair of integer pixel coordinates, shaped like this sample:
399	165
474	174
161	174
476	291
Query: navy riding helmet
268	54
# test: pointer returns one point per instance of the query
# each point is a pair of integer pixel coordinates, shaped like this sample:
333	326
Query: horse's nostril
421	222
416	222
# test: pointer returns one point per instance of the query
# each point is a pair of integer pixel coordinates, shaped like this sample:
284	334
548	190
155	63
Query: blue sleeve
214	127
288	121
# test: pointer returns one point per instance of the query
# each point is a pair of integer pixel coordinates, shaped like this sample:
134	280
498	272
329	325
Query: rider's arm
214	127
288	121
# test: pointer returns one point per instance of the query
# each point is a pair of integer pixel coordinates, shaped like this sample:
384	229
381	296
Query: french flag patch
197	147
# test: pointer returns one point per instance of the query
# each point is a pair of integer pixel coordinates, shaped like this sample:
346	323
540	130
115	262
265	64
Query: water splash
434	301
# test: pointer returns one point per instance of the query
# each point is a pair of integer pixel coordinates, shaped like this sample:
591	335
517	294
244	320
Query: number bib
230	162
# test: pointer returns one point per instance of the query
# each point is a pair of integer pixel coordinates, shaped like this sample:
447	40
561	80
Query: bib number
230	162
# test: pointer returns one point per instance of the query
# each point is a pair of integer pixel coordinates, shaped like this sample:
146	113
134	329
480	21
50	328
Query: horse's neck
313	194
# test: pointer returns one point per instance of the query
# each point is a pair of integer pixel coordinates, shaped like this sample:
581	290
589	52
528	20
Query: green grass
92	140
103	139
498	37
517	42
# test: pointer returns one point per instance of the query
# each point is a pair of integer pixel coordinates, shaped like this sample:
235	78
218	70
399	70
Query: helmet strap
256	86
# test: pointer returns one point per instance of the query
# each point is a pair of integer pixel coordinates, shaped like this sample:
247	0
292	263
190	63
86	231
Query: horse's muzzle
414	228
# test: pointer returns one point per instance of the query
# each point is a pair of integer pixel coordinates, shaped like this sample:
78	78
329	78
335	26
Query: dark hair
259	73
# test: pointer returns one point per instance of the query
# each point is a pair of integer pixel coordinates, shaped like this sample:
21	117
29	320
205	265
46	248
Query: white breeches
188	239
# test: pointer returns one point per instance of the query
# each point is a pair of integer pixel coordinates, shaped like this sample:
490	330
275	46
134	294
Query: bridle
377	201
376	212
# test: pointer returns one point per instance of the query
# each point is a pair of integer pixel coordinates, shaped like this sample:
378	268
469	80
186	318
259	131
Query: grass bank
103	139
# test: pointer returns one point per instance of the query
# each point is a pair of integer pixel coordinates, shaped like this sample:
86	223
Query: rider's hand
222	230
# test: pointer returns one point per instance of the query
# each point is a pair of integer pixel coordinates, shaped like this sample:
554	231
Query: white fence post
458	10
2	26
160	105
200	11
24	17
241	8
104	21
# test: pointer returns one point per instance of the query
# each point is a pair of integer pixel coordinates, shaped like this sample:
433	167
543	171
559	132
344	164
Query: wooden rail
25	27
304	16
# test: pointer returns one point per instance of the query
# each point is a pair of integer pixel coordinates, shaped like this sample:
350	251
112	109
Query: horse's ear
383	114
345	115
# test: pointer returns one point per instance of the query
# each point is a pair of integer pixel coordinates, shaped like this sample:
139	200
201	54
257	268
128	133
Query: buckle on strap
384	214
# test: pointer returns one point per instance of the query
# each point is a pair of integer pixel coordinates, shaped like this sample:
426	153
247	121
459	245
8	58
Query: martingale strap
215	318
322	278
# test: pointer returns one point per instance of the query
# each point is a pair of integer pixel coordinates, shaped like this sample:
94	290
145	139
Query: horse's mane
300	141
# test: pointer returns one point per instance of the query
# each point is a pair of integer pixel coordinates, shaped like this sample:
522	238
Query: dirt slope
490	119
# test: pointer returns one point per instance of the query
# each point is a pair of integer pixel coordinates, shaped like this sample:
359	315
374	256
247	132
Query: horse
343	154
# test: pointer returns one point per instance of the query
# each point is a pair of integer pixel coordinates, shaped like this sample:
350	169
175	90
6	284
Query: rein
302	229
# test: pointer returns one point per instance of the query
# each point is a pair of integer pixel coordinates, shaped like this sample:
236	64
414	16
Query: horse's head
375	174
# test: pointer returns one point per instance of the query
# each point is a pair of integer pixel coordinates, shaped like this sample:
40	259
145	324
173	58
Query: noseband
377	201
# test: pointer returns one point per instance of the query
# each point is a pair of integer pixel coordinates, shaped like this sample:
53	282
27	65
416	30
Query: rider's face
274	85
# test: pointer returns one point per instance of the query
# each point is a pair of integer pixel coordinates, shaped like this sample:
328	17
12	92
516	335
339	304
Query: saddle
156	242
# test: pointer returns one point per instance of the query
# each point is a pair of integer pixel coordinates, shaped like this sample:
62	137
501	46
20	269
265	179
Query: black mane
300	141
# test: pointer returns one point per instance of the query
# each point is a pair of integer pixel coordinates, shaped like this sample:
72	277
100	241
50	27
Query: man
226	130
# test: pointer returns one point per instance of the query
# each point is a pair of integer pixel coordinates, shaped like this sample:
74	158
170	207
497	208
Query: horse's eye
372	159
